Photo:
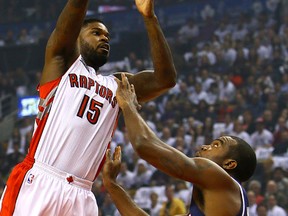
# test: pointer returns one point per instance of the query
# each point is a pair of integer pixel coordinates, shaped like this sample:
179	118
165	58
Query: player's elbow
171	80
171	83
166	85
167	78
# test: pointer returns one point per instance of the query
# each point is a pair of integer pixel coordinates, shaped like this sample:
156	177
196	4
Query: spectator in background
281	146
125	176
198	95
108	208
272	189
221	31
142	174
238	130
273	208
213	94
240	32
207	13
10	38
262	137
256	187
127	149
230	52
166	136
155	206
227	89
206	79
198	138
252	203
14	140
279	127
15	156
284	83
159	178
173	205
188	32
281	179
191	59
248	121
182	191
269	120
132	59
183	133
24	38
118	137
207	53
262	209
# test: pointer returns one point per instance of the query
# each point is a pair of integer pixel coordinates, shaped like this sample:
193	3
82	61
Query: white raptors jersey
77	116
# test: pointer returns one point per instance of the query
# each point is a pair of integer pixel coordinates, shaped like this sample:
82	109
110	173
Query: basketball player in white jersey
78	114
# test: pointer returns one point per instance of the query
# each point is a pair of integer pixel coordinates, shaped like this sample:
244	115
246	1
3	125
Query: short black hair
91	20
246	160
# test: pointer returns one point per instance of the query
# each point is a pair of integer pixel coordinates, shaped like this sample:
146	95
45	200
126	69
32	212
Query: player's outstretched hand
125	94
112	166
145	7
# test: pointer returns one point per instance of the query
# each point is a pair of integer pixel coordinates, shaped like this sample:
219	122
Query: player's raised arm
150	84
124	203
164	157
61	49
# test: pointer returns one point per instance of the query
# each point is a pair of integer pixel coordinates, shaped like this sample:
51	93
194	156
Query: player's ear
229	164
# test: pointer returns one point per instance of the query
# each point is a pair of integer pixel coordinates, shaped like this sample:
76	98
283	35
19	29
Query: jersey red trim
13	186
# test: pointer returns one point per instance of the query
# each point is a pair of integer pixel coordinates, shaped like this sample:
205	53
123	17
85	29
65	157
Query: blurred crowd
232	79
16	11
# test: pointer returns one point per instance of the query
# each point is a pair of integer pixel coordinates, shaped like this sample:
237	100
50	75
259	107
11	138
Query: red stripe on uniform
17	175
13	186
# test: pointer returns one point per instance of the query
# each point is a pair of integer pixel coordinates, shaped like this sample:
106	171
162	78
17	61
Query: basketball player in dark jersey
216	171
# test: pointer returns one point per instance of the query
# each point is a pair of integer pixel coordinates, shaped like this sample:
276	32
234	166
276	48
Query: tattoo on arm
171	165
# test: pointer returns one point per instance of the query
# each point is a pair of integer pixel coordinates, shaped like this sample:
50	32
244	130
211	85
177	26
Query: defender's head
233	154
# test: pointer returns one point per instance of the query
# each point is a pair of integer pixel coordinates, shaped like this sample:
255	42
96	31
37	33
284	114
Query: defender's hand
112	165
125	94
145	7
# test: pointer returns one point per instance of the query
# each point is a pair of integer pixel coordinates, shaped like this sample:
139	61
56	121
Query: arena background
232	63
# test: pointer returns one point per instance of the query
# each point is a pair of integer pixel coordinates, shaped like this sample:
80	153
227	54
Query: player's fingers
139	107
118	148
117	155
125	81
132	88
124	78
108	155
117	80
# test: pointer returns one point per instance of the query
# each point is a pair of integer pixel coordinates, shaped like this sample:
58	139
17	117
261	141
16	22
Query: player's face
94	44
218	150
